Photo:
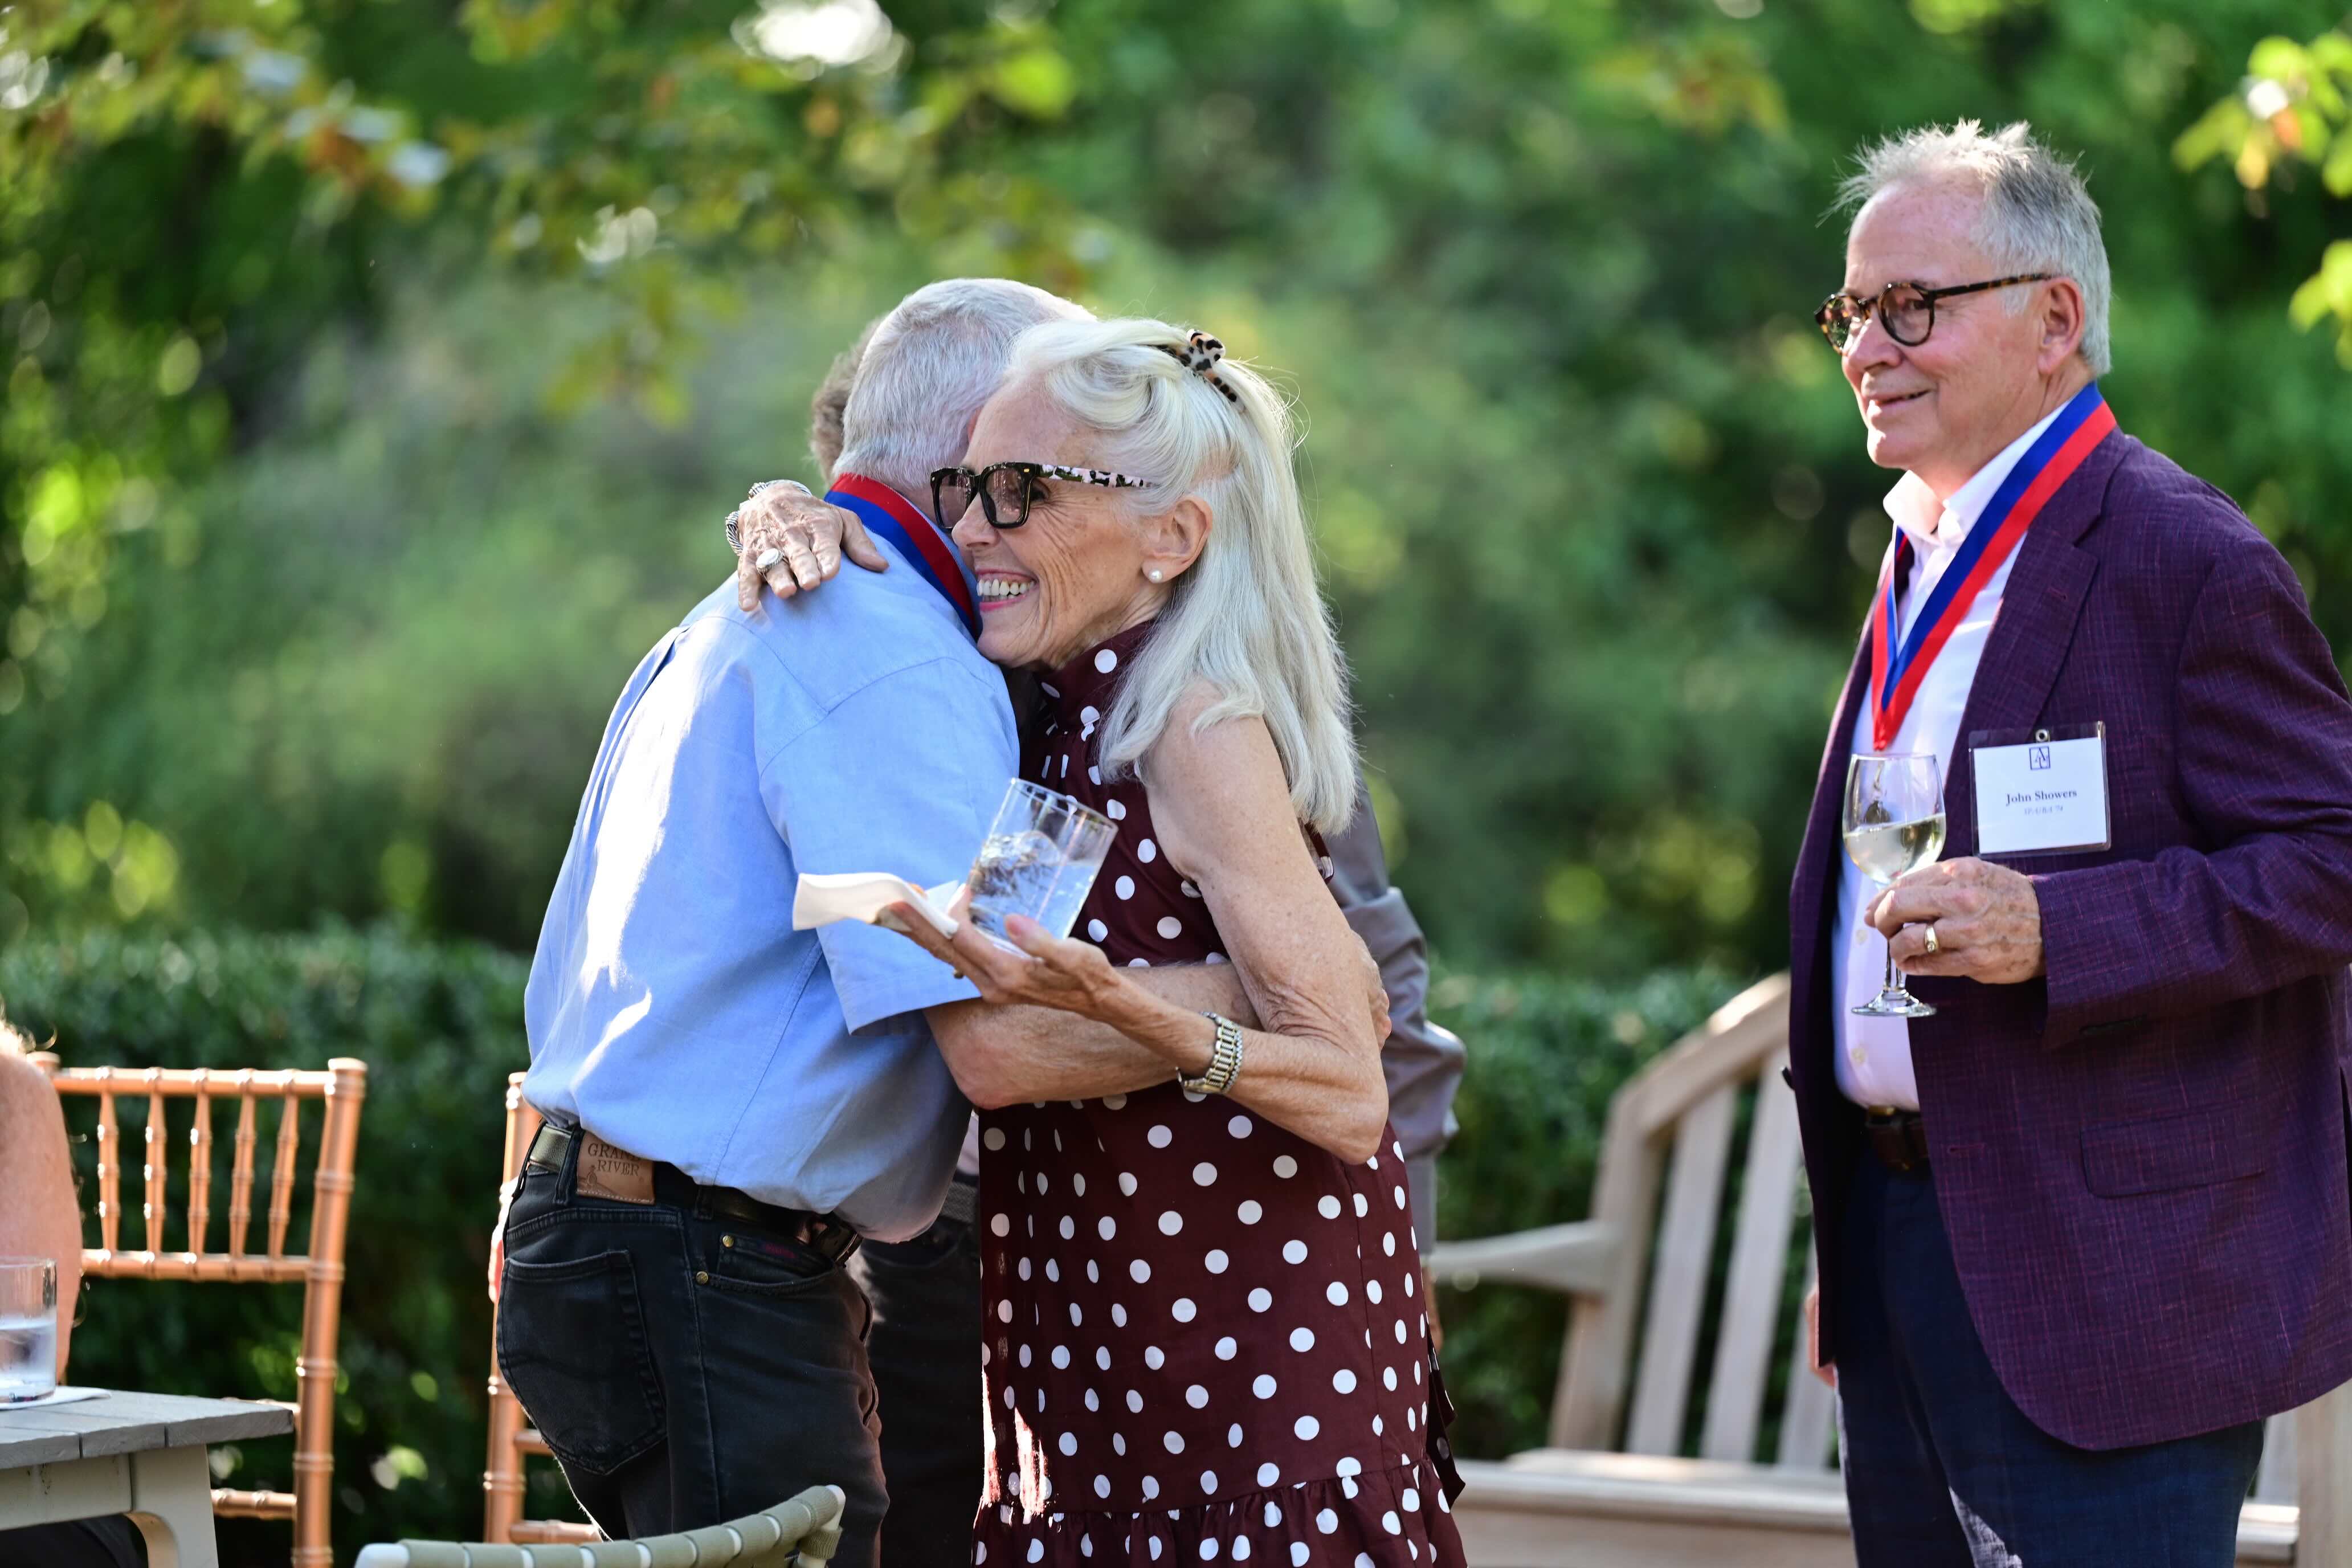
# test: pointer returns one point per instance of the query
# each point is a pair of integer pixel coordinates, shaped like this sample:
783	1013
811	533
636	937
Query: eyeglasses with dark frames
1007	490
1907	310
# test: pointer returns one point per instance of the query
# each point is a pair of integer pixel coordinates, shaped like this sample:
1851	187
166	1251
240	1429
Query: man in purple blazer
2082	1228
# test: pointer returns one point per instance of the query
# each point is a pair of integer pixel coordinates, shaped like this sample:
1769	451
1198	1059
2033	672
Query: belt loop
561	1174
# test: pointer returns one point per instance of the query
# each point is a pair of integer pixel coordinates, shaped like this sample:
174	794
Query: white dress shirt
1874	1055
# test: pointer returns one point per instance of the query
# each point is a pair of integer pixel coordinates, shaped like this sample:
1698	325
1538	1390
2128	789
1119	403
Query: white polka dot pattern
1169	1279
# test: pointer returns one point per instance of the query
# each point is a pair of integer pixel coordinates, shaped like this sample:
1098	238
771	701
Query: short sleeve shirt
672	1009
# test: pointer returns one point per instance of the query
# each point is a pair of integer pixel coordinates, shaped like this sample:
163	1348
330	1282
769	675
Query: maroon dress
1203	1334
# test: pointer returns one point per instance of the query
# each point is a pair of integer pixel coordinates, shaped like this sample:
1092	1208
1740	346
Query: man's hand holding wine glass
1987	921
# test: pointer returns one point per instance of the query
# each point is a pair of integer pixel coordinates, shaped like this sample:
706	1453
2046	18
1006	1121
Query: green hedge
441	1025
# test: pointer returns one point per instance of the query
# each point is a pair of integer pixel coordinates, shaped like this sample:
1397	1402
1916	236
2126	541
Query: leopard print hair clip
1200	354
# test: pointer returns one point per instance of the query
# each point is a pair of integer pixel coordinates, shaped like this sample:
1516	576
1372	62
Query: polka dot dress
1205	1338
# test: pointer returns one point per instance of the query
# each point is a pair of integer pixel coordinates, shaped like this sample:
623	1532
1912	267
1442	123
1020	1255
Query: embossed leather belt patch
605	1172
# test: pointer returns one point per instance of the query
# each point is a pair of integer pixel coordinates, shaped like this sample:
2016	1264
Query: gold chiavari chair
512	1439
342	1088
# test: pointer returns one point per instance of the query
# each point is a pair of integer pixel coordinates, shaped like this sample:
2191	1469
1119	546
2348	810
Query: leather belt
1899	1138
827	1235
963	1200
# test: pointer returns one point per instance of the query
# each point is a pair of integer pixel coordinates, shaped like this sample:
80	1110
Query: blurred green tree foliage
195	195
2294	108
1588	483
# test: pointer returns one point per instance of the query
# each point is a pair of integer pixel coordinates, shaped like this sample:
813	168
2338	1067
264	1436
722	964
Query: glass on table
1894	824
28	1328
1040	861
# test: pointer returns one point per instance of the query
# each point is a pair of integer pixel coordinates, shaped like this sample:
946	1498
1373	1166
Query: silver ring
768	558
1927	935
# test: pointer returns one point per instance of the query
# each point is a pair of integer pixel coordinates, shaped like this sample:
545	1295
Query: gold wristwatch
1224	1060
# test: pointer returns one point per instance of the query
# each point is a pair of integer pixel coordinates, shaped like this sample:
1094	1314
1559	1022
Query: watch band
1224	1060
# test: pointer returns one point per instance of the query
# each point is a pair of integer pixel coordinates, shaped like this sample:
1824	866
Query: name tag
2041	792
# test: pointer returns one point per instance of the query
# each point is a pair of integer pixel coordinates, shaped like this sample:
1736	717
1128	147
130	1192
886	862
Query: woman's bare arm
1222	805
1005	1056
1221	810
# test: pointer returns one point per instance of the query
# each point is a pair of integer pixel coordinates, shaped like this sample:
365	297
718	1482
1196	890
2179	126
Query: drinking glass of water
28	1328
1893	824
1040	861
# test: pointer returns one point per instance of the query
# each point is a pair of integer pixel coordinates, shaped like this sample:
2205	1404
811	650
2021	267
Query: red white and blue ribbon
1898	667
885	512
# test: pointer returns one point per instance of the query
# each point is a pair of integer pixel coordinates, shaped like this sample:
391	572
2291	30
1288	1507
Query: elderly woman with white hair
1204	1326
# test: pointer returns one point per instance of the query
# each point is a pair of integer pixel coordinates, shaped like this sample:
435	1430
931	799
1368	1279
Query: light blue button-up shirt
672	1009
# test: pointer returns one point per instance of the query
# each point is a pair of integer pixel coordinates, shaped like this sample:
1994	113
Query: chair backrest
341	1089
808	1523
512	1440
1676	1123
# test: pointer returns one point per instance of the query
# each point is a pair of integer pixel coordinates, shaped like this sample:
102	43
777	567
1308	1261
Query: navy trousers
686	1368
1943	1470
925	1351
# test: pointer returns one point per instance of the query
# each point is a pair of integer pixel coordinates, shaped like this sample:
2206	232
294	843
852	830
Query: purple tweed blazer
2140	1157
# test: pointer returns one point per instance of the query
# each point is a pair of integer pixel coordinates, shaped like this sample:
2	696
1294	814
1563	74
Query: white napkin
62	1395
861	895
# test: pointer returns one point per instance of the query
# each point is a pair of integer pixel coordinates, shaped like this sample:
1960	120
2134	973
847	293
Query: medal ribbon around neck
1897	670
885	512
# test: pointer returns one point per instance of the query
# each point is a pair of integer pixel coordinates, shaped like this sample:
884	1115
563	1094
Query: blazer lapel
2035	628
1811	890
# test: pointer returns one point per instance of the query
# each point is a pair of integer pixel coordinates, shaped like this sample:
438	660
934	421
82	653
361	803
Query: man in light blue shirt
673	1012
730	1104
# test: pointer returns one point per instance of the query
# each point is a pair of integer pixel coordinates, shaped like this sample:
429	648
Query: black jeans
1942	1468
109	1542
925	1350
686	1369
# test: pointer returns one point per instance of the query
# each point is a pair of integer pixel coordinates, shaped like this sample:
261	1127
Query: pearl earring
1153	574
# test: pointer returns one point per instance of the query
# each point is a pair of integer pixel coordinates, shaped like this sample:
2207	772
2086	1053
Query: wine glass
1893	824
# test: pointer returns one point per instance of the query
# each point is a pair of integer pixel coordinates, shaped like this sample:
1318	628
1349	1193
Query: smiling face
1076	573
1945	408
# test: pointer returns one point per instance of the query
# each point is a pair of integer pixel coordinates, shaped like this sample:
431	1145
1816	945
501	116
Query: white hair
928	367
2037	216
1247	620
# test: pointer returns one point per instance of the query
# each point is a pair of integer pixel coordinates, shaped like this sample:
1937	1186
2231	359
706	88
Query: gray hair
2037	216
927	369
831	403
1247	620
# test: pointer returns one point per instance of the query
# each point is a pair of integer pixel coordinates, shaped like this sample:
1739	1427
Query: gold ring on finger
1927	935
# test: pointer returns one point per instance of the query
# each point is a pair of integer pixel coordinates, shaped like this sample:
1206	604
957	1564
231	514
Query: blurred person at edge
925	1341
2080	1231
42	1218
733	1107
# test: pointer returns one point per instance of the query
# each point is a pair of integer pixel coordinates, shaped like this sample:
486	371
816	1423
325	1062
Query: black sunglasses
1907	310
1007	490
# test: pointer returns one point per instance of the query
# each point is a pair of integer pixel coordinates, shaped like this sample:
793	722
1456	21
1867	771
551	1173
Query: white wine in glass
1893	824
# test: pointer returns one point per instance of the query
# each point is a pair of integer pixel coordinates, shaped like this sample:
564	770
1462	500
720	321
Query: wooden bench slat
2276	1481
1811	1412
1678	1286
1553	1507
2323	1442
1759	1261
1577	1259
